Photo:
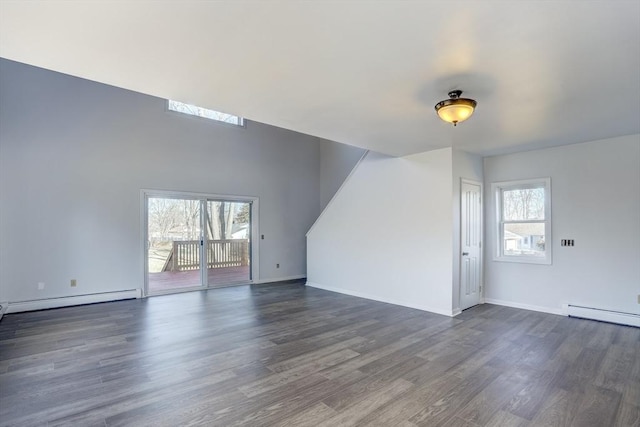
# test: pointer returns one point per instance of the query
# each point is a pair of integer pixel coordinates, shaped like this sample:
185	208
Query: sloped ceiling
365	73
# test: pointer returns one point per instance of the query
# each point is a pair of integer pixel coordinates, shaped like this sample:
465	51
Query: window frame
498	188
240	120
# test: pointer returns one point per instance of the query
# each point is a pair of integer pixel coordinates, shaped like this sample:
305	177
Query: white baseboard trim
456	312
3	308
603	315
280	279
380	299
43	304
524	306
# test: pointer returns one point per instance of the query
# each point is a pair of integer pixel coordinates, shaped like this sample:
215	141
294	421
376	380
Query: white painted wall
74	155
595	189
387	234
336	162
465	166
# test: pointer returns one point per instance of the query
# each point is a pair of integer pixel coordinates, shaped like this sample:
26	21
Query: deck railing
185	254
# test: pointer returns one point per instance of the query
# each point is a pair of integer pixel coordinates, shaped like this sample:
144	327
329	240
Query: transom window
523	217
194	110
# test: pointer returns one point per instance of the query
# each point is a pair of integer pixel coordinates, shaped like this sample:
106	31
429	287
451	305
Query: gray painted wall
336	162
74	155
595	200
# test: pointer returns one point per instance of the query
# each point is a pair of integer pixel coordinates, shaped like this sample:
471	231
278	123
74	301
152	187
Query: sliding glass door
228	242
196	242
174	231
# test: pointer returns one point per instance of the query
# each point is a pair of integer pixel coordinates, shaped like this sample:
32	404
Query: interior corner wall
470	167
387	233
74	155
336	162
595	200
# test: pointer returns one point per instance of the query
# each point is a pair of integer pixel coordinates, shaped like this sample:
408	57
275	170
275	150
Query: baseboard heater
603	315
46	303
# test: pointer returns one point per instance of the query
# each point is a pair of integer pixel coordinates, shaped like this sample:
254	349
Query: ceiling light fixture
455	109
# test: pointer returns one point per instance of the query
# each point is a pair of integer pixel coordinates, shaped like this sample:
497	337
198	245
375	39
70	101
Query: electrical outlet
277	265
74	283
41	287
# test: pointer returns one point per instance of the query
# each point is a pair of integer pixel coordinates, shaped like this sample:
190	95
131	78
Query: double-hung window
523	219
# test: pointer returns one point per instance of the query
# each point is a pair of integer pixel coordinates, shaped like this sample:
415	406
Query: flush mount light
455	109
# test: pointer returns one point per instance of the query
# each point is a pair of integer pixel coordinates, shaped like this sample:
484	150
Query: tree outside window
523	220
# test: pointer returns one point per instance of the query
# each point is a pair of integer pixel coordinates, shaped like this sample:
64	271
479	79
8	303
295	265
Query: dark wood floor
287	355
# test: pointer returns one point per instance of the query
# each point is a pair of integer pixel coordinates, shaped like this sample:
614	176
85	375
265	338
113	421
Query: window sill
524	260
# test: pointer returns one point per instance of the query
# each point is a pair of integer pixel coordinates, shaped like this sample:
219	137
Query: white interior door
471	237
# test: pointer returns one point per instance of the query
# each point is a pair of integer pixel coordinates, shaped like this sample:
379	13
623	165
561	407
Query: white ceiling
365	73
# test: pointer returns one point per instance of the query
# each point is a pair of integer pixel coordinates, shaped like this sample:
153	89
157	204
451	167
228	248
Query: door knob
465	253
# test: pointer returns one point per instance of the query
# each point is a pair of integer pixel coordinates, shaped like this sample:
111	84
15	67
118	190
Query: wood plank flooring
287	355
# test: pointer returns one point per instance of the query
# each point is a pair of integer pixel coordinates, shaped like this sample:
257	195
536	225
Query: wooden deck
168	280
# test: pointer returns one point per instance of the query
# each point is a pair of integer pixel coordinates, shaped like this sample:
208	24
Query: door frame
481	249
254	255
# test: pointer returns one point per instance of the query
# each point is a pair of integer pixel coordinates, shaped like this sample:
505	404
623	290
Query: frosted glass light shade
455	109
